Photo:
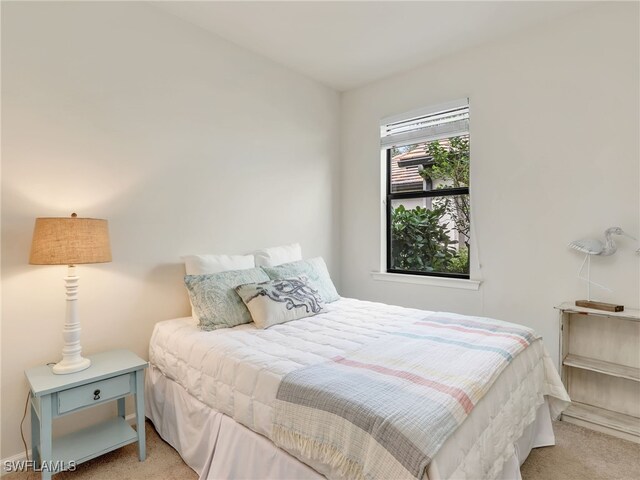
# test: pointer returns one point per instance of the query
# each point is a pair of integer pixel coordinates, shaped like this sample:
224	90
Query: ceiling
348	44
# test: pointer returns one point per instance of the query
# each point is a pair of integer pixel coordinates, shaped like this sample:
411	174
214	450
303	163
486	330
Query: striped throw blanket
384	410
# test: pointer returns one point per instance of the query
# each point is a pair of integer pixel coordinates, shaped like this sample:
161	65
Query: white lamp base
72	360
71	366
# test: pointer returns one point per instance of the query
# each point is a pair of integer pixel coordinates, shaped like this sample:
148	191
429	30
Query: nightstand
600	368
112	376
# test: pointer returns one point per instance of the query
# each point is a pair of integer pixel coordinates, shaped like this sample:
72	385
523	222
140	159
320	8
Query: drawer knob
96	395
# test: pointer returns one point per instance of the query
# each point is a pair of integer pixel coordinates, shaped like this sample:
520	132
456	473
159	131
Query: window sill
460	283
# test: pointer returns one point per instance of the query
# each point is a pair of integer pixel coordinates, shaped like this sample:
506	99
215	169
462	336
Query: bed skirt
217	447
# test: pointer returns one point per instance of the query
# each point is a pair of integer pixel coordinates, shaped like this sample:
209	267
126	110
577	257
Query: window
427	191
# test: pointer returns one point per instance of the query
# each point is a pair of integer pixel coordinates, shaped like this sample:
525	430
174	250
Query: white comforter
237	372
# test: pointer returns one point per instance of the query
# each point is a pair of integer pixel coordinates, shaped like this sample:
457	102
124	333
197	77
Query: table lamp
70	241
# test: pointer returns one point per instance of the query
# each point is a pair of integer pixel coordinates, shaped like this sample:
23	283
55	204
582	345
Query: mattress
237	372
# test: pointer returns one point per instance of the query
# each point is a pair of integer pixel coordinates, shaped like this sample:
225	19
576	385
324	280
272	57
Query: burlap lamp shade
70	241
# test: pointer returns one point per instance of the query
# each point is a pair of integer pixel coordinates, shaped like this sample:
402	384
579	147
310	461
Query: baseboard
20	457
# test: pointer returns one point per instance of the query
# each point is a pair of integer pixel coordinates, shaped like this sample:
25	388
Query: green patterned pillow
214	300
314	269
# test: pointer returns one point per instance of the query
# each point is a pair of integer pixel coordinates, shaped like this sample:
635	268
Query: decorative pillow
314	269
214	299
280	301
206	264
270	257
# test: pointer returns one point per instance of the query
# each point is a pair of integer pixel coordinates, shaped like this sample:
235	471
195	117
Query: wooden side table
112	376
600	368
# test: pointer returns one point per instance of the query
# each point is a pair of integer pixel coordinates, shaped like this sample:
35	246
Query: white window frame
459	127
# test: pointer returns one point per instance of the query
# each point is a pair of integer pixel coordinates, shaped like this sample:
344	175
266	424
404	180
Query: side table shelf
586	415
93	441
600	368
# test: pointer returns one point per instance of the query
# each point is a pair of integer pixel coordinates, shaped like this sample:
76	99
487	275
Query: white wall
185	142
554	157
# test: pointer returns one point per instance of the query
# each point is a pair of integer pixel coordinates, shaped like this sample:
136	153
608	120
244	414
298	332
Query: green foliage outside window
421	240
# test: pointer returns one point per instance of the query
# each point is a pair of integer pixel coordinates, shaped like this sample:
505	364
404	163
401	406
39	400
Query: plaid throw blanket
384	411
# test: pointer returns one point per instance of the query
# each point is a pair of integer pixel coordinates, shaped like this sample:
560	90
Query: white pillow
270	257
209	264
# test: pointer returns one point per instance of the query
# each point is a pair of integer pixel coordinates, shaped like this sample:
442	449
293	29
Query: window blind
435	123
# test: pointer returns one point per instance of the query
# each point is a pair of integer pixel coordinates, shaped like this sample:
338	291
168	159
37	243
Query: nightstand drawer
93	393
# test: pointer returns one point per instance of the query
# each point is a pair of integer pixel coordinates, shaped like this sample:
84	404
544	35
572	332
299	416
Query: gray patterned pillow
280	301
215	301
314	269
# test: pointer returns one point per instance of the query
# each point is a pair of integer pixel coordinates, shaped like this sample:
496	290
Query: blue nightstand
111	376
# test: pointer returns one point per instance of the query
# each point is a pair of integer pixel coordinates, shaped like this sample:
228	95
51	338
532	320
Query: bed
211	395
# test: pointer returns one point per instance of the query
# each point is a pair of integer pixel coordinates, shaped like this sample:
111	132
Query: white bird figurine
592	246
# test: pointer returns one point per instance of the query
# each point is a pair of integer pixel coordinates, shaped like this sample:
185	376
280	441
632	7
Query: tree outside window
429	228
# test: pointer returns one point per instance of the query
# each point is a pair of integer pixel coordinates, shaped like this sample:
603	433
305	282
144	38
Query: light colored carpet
162	462
579	454
583	454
